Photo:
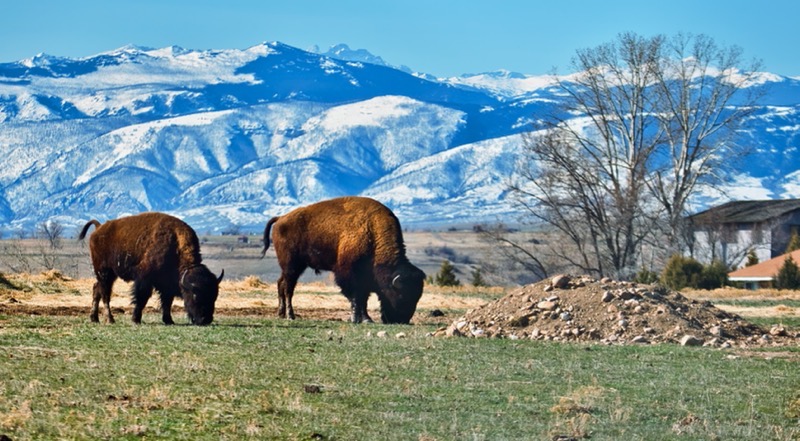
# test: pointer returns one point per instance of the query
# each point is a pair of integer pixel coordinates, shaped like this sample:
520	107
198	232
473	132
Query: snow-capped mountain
233	137
343	52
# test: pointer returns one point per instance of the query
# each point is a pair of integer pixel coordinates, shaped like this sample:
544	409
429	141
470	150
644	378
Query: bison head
199	289
399	298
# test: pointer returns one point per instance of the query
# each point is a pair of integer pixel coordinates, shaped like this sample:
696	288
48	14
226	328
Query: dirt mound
609	312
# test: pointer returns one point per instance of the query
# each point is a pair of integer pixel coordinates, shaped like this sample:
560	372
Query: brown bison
357	238
154	250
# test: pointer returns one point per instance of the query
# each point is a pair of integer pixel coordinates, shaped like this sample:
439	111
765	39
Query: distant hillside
233	137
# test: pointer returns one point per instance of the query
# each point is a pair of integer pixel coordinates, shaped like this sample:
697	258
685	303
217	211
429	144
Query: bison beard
153	250
361	241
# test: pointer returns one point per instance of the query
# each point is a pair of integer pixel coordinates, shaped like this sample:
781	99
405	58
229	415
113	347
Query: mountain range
229	138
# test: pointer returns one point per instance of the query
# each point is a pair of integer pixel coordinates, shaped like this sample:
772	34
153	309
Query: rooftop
763	271
746	211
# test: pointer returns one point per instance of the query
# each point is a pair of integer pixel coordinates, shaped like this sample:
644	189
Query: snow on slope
131	79
504	83
334	154
463	184
259	157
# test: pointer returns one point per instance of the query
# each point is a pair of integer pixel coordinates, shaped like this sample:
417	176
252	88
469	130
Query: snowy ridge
224	137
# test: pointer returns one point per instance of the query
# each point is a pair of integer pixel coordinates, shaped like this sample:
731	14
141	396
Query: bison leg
286	285
102	291
357	295
167	293
166	309
281	298
96	296
358	306
141	294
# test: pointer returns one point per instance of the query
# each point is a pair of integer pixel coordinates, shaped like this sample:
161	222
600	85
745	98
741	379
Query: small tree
789	275
446	275
794	243
477	278
752	258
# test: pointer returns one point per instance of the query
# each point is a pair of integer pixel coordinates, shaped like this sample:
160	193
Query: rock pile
610	312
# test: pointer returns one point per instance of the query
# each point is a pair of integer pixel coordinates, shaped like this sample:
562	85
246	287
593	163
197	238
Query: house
761	275
730	231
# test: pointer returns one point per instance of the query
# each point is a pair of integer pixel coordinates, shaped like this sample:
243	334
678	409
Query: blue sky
440	37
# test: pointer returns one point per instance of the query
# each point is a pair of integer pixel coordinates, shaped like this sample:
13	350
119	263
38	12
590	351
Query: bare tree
14	256
586	176
511	259
597	170
696	85
52	232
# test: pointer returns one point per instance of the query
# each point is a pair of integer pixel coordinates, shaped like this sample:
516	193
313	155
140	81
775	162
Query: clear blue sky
440	37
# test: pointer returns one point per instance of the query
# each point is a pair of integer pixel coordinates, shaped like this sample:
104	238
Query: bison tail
86	228
266	235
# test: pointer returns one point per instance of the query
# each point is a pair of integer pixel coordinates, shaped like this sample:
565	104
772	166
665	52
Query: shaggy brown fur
154	250
361	241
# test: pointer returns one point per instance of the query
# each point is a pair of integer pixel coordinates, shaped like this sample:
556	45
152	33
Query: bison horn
183	278
396	282
221	275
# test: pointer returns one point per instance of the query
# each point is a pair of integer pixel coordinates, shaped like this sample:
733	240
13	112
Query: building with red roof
762	275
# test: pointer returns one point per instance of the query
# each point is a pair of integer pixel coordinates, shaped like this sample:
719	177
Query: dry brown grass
722	295
52	289
741	294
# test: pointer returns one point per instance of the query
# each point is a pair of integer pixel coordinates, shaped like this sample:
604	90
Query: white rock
691	340
560	281
546	305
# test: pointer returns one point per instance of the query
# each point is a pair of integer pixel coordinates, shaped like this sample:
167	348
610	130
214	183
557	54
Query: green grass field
261	378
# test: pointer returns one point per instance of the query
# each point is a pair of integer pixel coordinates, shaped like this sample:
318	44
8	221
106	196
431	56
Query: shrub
681	272
446	275
646	276
5	282
713	276
788	276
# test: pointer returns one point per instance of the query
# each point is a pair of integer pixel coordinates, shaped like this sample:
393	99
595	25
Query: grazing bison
154	250
360	240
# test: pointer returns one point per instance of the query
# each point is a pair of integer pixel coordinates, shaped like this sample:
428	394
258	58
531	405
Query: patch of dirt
609	312
51	293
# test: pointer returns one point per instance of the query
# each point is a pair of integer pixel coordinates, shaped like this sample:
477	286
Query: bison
154	250
360	241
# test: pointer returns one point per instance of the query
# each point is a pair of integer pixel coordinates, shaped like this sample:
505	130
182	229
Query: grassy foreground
260	378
